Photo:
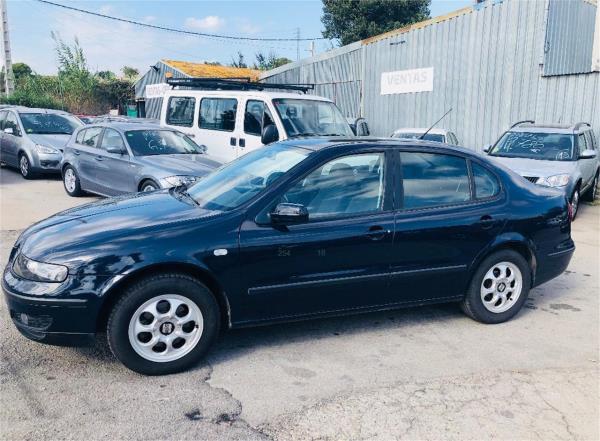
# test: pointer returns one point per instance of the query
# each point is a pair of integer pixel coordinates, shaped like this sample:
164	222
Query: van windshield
311	118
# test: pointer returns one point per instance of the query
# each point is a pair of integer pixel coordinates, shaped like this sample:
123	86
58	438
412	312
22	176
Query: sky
110	45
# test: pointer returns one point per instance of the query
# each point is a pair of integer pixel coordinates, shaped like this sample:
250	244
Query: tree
130	73
239	62
106	75
271	61
352	20
21	70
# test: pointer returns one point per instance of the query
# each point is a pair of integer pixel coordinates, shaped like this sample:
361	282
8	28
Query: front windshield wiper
180	192
303	134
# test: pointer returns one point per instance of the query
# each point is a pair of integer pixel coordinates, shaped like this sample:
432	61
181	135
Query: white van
231	123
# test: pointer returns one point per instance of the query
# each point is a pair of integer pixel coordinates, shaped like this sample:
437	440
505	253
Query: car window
79	137
536	145
91	136
347	185
180	111
594	140
160	142
415	135
581	143
253	117
590	140
486	184
433	180
49	123
12	123
217	114
2	117
112	138
301	117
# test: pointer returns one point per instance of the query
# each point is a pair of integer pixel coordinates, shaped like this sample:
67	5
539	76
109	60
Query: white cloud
106	9
249	28
149	18
208	23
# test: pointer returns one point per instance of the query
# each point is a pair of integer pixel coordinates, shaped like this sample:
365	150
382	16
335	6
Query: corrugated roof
211	71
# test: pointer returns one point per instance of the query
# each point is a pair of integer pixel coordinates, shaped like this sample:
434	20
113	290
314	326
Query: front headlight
554	181
43	149
39	271
174	181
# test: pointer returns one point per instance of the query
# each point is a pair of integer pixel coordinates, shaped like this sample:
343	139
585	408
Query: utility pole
311	49
9	85
297	44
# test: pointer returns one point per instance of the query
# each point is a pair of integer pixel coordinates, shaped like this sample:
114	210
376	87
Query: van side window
486	184
253	117
180	111
217	114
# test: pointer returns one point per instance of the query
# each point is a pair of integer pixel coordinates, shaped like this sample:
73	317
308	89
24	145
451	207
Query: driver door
340	259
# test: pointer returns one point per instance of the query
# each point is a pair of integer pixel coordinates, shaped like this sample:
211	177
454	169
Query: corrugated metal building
494	63
163	69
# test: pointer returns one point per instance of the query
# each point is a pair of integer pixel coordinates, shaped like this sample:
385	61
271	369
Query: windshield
428	137
533	145
237	182
160	142
311	118
49	123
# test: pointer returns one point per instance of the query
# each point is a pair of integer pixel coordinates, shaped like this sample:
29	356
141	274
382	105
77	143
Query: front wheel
71	182
25	167
149	186
499	288
575	203
590	195
163	324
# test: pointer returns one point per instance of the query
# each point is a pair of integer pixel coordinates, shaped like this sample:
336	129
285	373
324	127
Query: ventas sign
407	81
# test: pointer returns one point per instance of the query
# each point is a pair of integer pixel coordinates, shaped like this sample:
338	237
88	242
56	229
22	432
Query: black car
298	229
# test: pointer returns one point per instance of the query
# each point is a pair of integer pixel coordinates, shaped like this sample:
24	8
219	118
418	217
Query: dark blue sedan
296	230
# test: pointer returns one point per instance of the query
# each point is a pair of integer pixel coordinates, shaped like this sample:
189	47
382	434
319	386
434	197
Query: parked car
116	158
234	122
561	156
437	135
32	140
123	118
295	230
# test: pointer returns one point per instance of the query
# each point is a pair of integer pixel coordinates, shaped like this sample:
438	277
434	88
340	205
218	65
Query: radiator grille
531	178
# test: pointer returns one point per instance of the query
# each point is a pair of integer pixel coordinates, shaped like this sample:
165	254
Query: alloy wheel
501	287
575	202
24	165
148	187
165	328
70	180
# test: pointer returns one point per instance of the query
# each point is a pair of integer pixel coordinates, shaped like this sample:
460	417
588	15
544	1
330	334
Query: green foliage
106	75
21	70
130	73
271	61
352	20
26	98
240	62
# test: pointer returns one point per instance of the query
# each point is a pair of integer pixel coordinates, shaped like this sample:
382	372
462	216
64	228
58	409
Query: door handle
99	158
242	142
377	232
76	152
486	221
232	141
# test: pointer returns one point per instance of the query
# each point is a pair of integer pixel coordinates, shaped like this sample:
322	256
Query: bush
28	99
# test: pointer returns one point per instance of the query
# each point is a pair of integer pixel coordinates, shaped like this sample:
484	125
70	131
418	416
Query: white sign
156	90
407	81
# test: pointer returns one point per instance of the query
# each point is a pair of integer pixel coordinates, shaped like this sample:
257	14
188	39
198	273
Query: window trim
167	122
237	103
493	173
99	139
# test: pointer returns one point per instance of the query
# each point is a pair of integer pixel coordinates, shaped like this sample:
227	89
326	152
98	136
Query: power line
179	31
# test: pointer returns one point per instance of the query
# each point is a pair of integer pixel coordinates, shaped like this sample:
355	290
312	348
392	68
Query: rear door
3	114
451	209
114	170
217	124
86	148
11	142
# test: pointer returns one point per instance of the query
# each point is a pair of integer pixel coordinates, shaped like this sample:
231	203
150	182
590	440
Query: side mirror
286	214
9	130
269	134
115	149
487	148
588	154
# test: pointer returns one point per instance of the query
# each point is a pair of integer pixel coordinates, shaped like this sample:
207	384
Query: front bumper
47	162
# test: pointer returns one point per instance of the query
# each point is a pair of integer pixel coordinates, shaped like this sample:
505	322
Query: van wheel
71	182
163	324
25	167
499	288
590	195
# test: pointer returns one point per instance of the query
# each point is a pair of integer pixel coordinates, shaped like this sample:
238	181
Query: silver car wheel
70	180
24	165
575	202
594	188
165	328
501	287
148	187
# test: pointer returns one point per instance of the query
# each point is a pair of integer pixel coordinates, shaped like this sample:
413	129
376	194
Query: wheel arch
145	179
114	292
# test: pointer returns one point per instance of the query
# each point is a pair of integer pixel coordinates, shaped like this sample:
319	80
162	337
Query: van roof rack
234	84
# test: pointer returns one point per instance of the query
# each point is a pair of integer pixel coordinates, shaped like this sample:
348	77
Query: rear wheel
499	288
575	202
163	324
71	182
25	167
590	195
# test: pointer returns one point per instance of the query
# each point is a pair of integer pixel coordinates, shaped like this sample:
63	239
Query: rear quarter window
486	183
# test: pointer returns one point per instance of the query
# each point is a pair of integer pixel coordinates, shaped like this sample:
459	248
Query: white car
231	123
438	135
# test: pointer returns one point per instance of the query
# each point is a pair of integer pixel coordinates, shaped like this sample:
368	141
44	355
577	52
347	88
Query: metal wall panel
569	37
488	66
153	76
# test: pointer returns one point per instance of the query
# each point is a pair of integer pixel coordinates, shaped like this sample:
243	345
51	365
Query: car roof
569	129
22	109
422	130
125	126
243	93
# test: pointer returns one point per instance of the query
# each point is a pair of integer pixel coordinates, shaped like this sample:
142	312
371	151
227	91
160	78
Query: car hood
103	226
56	141
534	167
192	165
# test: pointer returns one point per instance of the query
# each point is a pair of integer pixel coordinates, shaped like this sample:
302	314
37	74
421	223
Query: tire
590	195
575	200
127	335
148	185
479	303
25	167
71	182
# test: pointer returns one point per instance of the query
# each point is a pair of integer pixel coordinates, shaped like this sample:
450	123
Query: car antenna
433	125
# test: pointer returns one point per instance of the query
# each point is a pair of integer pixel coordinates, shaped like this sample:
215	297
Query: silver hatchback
110	159
33	139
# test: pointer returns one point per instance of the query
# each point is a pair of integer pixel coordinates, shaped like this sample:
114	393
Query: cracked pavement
422	373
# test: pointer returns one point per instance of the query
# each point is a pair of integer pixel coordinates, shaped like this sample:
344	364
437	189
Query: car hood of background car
193	165
55	141
535	167
72	236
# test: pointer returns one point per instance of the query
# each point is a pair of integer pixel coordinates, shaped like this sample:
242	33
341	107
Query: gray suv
109	159
33	139
565	157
